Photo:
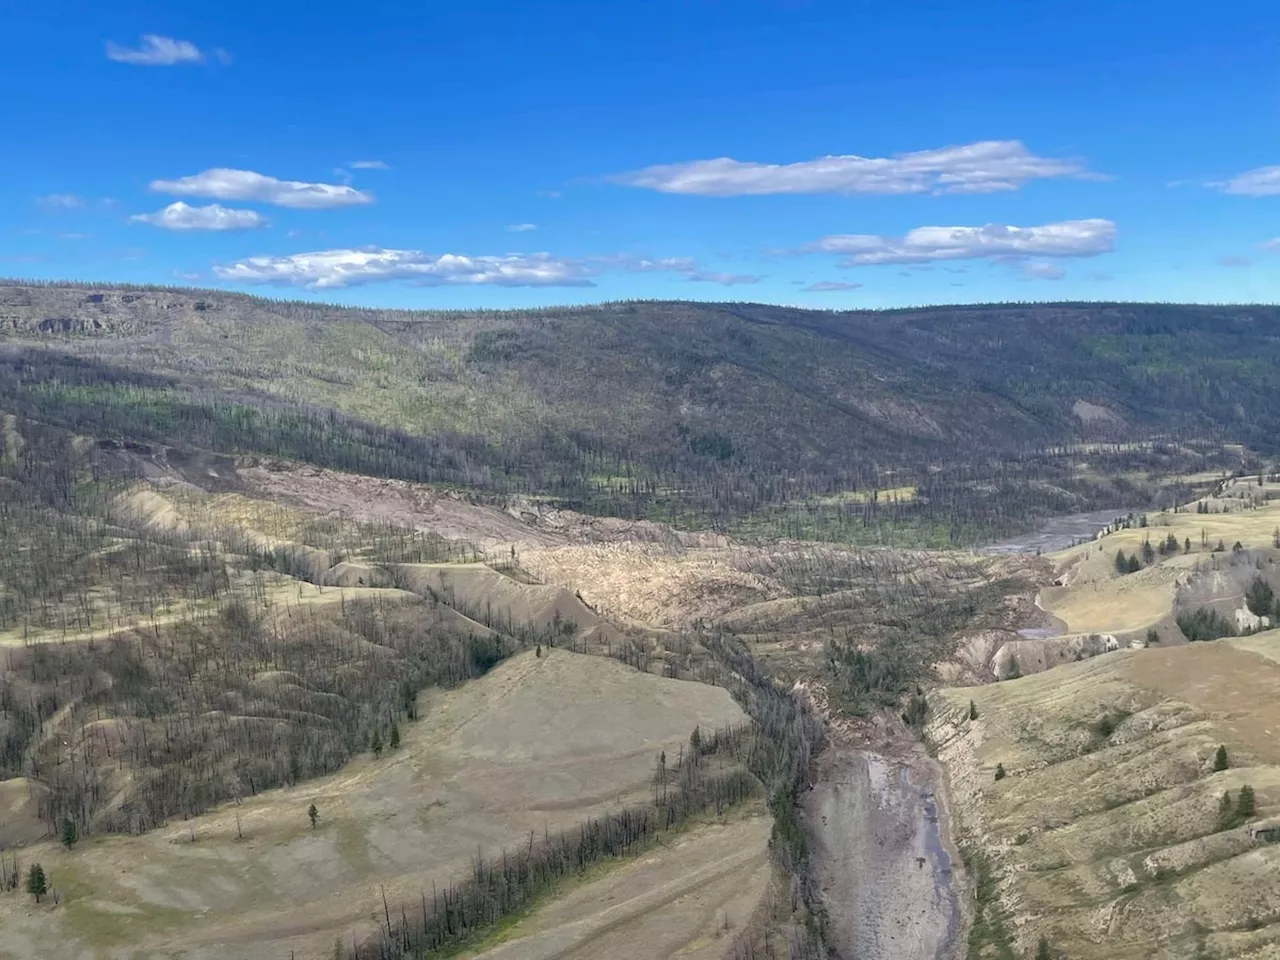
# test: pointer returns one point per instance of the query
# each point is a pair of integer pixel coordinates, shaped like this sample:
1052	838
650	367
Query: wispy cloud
158	51
1259	182
830	286
368	165
222	183
686	267
522	227
330	269
985	167
60	201
1070	238
1272	246
180	216
1040	270
724	279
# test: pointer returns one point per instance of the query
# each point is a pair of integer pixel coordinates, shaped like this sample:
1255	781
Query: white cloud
60	201
1272	245
828	286
984	167
368	165
222	183
1040	270
158	51
1070	238
1259	182
522	227
329	269
180	216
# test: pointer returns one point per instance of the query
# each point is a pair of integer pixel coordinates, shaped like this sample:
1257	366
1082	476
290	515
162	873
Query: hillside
1091	798
957	423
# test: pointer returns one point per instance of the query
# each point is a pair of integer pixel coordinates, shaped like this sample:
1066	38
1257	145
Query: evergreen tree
376	743
1122	562
1220	759
1148	553
1186	545
37	884
1042	950
973	710
695	739
1246	806
395	735
69	834
1000	774
312	815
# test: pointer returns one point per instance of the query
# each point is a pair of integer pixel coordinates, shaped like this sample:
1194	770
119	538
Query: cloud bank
985	167
332	269
222	183
1069	238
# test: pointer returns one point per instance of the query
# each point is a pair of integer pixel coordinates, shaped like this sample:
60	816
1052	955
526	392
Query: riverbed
883	857
1057	533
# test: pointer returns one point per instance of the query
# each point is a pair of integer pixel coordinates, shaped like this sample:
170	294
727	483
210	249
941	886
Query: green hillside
745	416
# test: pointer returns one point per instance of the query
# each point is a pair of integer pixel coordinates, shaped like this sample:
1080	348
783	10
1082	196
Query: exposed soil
883	855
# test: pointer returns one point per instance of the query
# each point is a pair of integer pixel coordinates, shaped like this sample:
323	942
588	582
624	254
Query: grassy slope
1106	835
1108	841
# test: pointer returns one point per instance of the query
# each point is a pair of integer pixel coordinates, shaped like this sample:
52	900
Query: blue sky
834	154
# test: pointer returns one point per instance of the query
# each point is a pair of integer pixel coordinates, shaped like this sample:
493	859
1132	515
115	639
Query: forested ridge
939	425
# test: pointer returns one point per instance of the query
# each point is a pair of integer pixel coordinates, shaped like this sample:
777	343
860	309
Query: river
1057	533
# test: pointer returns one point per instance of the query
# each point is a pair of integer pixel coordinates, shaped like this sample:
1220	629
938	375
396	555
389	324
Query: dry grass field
534	746
1105	834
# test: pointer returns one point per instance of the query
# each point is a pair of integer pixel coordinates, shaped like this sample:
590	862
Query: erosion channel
883	856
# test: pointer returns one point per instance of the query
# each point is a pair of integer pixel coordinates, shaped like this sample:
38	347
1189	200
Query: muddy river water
883	856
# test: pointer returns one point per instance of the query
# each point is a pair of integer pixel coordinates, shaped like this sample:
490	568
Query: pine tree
1000	774
376	743
37	884
313	814
69	834
695	739
1220	759
1246	806
395	735
973	710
